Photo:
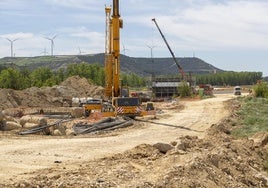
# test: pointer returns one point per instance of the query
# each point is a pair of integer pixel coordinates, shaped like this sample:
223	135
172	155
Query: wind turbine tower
152	57
44	52
52	42
11	46
80	51
124	49
151	49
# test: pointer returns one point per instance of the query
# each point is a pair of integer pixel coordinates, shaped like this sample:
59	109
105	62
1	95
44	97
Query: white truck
237	90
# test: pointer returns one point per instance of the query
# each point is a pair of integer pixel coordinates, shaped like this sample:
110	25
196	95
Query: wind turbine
80	52
44	52
124	49
11	46
151	48
52	42
152	59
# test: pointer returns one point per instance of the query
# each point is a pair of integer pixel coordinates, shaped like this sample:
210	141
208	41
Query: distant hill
137	65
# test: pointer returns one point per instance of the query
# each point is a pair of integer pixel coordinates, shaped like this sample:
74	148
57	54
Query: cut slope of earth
54	96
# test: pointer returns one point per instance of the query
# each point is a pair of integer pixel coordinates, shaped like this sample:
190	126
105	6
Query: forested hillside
136	65
21	72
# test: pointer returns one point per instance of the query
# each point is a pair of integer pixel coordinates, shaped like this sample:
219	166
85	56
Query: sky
229	34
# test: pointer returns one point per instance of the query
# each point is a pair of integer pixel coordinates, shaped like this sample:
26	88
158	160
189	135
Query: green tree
230	78
42	77
11	78
26	81
60	75
132	80
93	72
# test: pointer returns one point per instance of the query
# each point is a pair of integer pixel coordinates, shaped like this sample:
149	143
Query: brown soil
54	96
204	153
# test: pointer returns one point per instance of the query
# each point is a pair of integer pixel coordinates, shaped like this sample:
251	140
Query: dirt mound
80	87
217	160
55	96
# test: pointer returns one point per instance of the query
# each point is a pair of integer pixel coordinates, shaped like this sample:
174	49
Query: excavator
119	101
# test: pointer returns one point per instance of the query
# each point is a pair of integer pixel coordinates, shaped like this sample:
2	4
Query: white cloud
26	43
208	26
235	24
19	35
205	24
81	4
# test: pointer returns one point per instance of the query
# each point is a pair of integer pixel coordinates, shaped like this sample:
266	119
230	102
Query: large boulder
11	125
163	147
29	125
77	112
260	139
38	120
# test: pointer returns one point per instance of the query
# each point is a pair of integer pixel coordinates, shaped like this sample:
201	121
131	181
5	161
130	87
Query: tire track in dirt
21	155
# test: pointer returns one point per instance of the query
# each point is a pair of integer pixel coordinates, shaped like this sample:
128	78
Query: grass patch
253	117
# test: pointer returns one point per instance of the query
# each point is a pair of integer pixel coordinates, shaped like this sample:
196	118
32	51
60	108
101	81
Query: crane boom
174	58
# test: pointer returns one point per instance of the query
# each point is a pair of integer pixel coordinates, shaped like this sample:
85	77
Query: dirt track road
23	154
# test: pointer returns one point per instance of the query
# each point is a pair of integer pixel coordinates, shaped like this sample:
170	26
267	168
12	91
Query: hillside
138	65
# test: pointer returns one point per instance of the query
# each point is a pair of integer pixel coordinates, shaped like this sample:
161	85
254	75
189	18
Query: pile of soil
217	160
55	96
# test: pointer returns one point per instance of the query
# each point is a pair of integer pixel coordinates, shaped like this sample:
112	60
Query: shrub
261	89
185	90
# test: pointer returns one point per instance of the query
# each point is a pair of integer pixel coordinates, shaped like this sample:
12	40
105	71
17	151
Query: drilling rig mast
112	50
122	103
119	102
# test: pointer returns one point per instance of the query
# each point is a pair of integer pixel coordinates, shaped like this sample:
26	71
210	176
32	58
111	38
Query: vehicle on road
237	90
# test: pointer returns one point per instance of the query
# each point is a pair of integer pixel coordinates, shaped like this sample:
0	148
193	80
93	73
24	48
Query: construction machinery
122	103
174	58
119	101
207	89
92	105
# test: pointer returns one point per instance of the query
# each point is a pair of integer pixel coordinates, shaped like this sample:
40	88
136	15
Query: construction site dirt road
126	157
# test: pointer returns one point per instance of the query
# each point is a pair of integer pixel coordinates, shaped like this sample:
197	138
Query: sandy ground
21	155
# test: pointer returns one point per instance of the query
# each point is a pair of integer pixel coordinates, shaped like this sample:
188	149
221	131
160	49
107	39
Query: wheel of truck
87	113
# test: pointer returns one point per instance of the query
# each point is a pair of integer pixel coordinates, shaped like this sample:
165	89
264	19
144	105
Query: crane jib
174	58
